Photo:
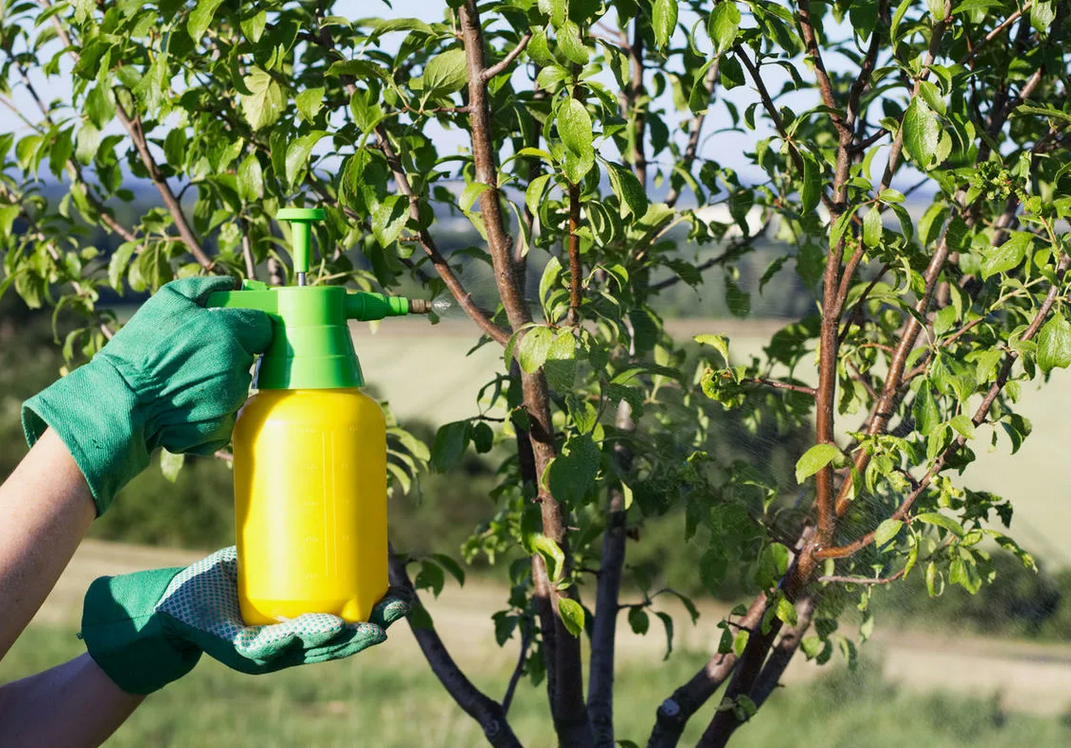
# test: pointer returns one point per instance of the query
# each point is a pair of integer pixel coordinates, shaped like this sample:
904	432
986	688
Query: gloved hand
173	377
147	629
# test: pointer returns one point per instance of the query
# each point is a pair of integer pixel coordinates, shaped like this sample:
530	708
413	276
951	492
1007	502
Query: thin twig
518	671
505	62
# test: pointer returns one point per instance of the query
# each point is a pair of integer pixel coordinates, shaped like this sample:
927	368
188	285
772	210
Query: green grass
380	698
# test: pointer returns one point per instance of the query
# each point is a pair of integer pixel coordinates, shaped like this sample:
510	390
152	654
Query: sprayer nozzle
419	306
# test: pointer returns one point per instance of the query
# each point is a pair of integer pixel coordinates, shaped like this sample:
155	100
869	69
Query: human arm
46	506
74	705
173	377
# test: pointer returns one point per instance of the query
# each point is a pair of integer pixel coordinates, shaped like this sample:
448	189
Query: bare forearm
74	705
46	508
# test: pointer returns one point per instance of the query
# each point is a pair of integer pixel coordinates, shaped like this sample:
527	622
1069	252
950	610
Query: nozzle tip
419	306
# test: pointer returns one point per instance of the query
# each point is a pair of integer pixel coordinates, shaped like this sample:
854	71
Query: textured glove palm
147	629
173	377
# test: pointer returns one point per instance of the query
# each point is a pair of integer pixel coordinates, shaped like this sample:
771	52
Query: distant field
424	372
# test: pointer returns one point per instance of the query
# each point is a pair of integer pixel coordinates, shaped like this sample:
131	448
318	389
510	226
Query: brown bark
673	713
566	688
487	712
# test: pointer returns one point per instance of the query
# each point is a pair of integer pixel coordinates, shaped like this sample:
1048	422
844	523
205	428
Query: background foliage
582	171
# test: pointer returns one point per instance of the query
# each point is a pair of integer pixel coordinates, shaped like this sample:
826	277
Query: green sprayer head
311	346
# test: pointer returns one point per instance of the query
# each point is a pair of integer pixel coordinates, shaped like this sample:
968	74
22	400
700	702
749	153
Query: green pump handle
311	346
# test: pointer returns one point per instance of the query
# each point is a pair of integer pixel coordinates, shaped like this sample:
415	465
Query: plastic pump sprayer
310	452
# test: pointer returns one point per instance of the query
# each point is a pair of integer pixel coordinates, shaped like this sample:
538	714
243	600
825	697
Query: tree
584	126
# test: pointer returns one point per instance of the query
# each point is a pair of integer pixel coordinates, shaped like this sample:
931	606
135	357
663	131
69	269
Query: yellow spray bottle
310	452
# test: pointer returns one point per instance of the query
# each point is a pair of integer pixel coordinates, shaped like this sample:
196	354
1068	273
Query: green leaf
250	179
572	615
451	566
176	147
816	458
667	623
937	9
1054	344
786	611
100	105
574	127
713	566
560	366
932	96
719	342
450	442
638	620
253	26
922	132
171	465
872	227
927	417
1042	14
266	101
628	189
357	69
571	475
297	155
963	424
389	218
87	144
201	17
430	577
483	437
551	272
117	264
1008	255
446	73
571	43
534	347
811	191
886	531
663	20
724	25
940	520
309	103
730	72
552	555
533	195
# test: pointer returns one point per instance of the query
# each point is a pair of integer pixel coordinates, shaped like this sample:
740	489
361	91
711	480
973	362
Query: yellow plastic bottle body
310	493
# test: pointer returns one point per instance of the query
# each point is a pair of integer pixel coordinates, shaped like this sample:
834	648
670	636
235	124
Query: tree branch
518	671
442	267
978	418
837	579
825	87
488	713
500	66
898	141
132	125
604	628
636	104
695	127
783	652
566	687
575	271
673	713
997	31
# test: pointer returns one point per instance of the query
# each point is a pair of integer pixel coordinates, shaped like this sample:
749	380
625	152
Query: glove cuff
126	637
105	434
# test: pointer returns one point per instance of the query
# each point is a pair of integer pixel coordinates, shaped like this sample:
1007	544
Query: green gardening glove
147	629
173	377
